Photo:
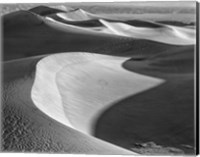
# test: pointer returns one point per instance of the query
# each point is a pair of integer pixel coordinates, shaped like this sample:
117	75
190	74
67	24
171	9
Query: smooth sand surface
169	34
80	86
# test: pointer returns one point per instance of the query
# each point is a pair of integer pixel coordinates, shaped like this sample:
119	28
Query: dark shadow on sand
164	114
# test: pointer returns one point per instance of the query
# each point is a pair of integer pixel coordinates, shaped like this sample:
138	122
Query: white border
65	1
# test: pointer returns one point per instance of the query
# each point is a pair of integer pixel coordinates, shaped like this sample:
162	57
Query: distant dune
166	34
80	82
44	10
20	20
45	37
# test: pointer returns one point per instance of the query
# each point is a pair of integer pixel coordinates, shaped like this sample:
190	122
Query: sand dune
82	91
81	15
20	19
134	87
44	10
162	33
82	18
67	27
168	34
77	15
46	37
63	8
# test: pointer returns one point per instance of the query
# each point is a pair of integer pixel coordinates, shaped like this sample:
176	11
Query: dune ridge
55	37
75	15
44	10
27	19
167	34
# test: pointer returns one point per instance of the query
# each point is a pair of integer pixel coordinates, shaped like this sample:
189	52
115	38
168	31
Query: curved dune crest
21	19
80	15
80	86
77	15
166	34
44	10
68	27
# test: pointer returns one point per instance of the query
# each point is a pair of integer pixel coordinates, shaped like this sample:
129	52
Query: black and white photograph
100	78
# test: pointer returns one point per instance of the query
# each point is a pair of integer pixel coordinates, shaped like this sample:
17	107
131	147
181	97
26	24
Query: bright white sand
75	88
101	29
79	15
166	34
67	27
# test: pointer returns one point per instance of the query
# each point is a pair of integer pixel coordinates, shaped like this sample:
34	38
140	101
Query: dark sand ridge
163	115
44	10
16	48
24	28
26	128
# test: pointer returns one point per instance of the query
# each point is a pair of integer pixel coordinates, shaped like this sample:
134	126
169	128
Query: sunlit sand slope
80	86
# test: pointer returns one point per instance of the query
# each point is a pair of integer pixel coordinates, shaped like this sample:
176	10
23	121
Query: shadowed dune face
163	115
43	10
27	19
169	106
